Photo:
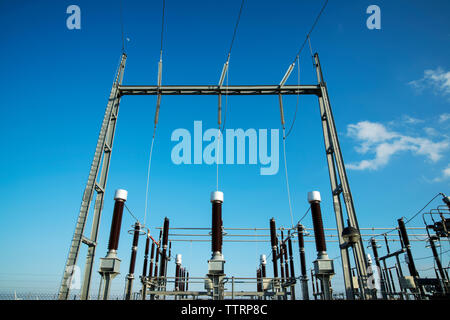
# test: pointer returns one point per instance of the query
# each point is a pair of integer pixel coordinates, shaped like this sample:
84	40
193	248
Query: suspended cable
221	80
304	42
287	178
414	216
236	27
311	30
131	213
158	104
422	209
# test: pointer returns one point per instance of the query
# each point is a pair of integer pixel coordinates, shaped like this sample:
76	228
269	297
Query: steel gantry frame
95	183
338	177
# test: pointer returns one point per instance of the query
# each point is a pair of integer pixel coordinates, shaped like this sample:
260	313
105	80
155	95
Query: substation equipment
340	190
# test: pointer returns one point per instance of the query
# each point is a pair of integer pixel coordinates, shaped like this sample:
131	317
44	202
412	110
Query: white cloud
444	117
445	174
438	79
410	120
376	138
431	131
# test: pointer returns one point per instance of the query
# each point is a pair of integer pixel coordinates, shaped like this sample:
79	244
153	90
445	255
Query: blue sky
389	89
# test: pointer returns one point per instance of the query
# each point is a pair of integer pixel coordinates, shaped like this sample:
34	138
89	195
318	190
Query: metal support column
336	162
103	150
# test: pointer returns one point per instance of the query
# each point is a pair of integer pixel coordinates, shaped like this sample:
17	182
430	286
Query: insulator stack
177	272
291	256
137	228
273	242
165	239
263	262
280	255
373	244
158	253
216	230
283	245
442	274
319	234
187	281
147	248
411	264
130	276
406	243
152	256
120	197
258	280
301	246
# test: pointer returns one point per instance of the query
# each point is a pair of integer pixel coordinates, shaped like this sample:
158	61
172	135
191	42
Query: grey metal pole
336	162
102	151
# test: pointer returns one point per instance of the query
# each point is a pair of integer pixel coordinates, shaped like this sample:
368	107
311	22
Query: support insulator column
216	268
110	265
291	265
216	230
130	276
177	272
442	274
273	243
406	243
301	247
263	262
323	266
144	269
165	239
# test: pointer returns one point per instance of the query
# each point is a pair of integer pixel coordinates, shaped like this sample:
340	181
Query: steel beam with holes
216	90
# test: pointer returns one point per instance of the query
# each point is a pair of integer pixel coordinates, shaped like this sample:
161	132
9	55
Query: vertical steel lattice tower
96	183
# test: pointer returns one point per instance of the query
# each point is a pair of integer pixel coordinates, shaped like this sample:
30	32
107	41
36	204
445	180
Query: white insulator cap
369	258
217	196
263	259
178	259
121	195
314	196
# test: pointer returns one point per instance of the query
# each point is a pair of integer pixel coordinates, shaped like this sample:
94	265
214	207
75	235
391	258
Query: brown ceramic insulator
115	225
318	227
216	229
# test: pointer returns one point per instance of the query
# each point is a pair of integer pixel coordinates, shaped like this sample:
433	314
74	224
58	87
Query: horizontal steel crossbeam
216	90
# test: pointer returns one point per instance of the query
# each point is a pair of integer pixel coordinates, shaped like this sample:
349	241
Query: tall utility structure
96	183
100	165
340	186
